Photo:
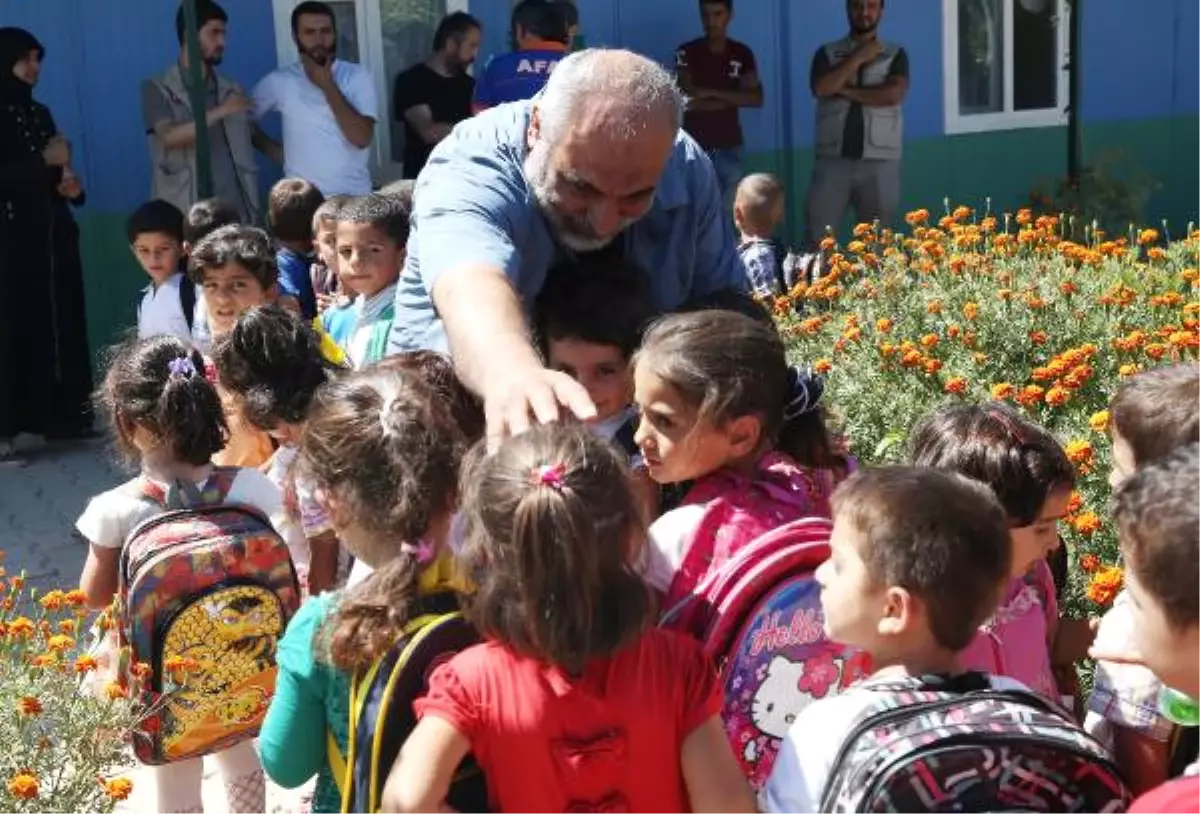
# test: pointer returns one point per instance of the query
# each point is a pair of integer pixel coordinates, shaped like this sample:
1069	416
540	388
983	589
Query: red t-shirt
715	129
1182	795
609	740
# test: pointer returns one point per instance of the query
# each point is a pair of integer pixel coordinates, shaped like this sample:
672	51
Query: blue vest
515	76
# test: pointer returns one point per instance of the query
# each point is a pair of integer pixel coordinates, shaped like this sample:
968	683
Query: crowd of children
258	378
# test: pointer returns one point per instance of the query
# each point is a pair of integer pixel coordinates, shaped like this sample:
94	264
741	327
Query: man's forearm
180	136
435	132
266	145
834	81
357	128
733	98
885	95
484	322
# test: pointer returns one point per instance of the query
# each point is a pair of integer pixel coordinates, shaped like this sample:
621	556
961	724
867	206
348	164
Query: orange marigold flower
956	385
1068	288
44	660
971	310
29	705
1156	350
24	785
1042	374
828	244
934	307
53	600
1105	584
822	366
18	582
1090	563
1087	523
59	643
883	325
75	598
1038	337
1099	421
962	212
979	358
863	229
856	247
1079	451
1024	216
119	788
929	341
140	670
1003	390
1030	395
852	334
66	626
21	628
1147	236
113	690
933	365
1156	254
1074	503
911	358
1182	339
917	217
1057	396
953	331
1128	370
85	664
887	348
988	224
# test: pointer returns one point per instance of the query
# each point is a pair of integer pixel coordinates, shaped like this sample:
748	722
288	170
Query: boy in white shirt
168	304
918	561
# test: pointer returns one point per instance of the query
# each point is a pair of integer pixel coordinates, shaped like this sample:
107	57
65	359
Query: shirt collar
544	45
371	307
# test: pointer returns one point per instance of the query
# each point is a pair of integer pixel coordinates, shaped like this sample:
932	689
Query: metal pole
1074	77
198	98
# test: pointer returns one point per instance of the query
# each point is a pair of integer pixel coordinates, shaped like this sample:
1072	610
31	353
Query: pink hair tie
552	475
424	551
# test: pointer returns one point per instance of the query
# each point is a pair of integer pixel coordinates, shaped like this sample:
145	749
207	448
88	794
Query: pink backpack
765	632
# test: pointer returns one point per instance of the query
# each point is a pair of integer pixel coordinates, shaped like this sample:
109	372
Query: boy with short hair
919	558
589	319
1157	522
235	269
168	304
1152	414
202	219
291	209
757	212
372	233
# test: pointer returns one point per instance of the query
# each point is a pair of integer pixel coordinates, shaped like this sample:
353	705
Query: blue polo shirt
472	206
515	76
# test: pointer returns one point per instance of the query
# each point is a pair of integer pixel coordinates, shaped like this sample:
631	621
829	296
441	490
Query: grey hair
642	88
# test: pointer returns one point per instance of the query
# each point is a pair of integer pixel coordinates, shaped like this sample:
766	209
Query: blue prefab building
986	114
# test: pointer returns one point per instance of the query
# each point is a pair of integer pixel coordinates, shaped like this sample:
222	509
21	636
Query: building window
1005	64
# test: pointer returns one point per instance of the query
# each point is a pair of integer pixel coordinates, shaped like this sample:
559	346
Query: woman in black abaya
45	372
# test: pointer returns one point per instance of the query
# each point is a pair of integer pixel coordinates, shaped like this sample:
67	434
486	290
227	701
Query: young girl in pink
1032	477
574	702
721	408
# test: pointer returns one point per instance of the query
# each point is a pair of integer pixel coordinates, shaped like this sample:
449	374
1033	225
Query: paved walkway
39	503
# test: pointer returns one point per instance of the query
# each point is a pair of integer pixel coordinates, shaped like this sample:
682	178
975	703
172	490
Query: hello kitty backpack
765	632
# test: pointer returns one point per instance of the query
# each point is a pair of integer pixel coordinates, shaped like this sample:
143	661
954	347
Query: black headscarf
15	45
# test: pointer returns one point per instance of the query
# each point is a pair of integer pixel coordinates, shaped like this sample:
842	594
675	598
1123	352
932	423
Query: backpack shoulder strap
187	300
337	765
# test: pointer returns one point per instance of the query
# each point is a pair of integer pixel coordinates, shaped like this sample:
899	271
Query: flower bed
982	307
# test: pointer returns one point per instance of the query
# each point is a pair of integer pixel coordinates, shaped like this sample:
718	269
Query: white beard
574	232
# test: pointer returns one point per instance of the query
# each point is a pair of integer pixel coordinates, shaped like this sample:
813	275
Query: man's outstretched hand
532	394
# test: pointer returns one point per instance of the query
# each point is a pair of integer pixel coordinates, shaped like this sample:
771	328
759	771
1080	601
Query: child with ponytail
722	409
382	453
168	419
575	702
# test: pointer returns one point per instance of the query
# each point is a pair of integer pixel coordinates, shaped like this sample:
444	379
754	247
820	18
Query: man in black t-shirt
433	96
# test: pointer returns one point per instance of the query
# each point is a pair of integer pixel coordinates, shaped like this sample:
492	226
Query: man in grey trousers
860	82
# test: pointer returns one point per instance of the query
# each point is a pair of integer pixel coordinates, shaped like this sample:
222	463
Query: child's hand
1074	638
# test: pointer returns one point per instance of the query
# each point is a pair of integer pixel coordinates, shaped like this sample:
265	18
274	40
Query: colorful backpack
765	632
381	709
206	590
937	744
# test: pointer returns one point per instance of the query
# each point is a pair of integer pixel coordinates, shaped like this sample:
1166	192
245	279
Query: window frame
1007	119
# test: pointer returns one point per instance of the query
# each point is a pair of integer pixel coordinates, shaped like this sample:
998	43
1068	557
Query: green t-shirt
311	699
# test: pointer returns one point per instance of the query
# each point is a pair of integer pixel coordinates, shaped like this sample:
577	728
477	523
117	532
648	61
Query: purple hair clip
424	551
181	368
552	475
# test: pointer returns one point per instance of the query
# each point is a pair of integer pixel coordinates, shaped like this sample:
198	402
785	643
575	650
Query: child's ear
738	218
900	612
744	435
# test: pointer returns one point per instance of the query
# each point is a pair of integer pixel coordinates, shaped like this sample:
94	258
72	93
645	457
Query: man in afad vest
860	82
541	34
171	131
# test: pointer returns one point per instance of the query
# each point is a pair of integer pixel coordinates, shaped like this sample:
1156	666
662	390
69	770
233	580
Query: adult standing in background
433	96
719	76
328	106
232	135
45	370
860	82
540	36
596	162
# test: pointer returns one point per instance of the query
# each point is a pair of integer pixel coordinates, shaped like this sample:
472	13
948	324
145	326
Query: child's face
158	253
1033	542
850	601
326	240
1168	652
1123	462
368	260
603	370
677	445
230	291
